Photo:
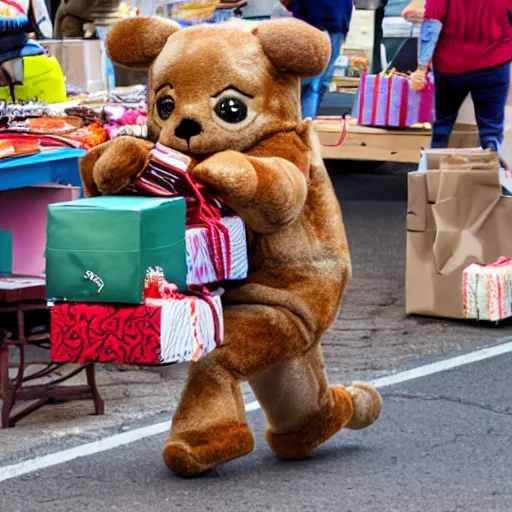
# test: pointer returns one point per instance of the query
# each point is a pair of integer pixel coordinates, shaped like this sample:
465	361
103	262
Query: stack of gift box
135	278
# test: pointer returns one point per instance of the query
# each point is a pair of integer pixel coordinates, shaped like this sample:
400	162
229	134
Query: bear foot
367	405
319	428
192	453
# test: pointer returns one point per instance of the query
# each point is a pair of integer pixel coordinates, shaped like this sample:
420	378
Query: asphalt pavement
442	444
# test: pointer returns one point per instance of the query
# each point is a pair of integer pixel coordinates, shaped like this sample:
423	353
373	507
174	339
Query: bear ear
136	42
294	47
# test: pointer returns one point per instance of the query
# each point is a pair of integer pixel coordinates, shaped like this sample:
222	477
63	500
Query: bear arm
267	186
267	193
110	167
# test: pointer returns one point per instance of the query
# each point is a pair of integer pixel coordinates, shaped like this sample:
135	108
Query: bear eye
165	107
231	110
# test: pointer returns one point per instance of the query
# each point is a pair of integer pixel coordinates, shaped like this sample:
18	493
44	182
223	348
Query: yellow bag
42	81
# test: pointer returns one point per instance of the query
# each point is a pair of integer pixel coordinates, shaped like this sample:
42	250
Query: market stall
372	137
58	100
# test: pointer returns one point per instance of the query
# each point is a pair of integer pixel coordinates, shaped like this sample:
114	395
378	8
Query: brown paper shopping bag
468	222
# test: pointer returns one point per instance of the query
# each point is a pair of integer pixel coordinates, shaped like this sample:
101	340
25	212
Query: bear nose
187	129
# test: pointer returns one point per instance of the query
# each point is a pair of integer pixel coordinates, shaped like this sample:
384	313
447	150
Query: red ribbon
404	103
343	132
362	99
388	102
375	104
200	212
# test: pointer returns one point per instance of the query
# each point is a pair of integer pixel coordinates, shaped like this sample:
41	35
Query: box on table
99	249
458	218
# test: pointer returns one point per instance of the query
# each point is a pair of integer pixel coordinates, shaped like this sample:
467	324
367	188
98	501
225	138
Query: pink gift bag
387	100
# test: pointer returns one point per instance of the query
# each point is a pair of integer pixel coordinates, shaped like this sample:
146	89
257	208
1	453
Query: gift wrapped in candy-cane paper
201	267
387	100
168	328
487	291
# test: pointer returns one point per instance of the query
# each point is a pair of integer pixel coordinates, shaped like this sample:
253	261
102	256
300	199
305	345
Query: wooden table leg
6	392
91	380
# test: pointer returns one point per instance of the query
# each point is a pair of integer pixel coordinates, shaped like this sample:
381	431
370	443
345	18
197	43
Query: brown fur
269	170
319	427
198	451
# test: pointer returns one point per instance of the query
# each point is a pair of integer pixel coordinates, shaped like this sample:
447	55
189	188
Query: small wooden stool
19	296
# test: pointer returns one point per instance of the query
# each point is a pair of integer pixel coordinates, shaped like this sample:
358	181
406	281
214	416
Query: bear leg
209	426
303	411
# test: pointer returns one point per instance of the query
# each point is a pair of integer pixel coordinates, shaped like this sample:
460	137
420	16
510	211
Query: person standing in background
378	36
470	45
332	16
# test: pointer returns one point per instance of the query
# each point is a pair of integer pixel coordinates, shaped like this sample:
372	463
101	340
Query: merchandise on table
134	95
125	121
99	249
15	148
87	114
46	125
73	92
45	141
22	110
173	330
487	291
56	130
387	100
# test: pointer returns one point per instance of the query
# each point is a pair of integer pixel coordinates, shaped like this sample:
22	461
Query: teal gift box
5	252
99	249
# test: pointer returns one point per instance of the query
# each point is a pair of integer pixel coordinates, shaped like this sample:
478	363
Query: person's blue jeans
489	89
313	89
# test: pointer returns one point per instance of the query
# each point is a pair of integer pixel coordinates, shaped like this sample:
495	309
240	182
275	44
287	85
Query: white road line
443	365
117	440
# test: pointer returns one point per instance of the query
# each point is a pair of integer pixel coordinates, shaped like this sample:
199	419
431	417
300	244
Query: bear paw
367	405
192	453
316	429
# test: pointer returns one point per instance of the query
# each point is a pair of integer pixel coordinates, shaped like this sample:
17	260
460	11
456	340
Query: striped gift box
388	100
487	291
200	265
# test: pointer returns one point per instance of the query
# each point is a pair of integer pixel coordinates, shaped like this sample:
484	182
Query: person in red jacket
469	43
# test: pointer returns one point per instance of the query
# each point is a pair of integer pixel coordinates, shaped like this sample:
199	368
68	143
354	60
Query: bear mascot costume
228	95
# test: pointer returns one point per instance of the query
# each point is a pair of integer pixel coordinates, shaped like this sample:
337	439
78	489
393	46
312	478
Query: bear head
220	87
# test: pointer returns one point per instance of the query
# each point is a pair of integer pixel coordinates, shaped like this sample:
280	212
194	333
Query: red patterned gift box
175	329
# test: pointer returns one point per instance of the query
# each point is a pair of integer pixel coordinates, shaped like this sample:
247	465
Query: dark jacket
330	15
